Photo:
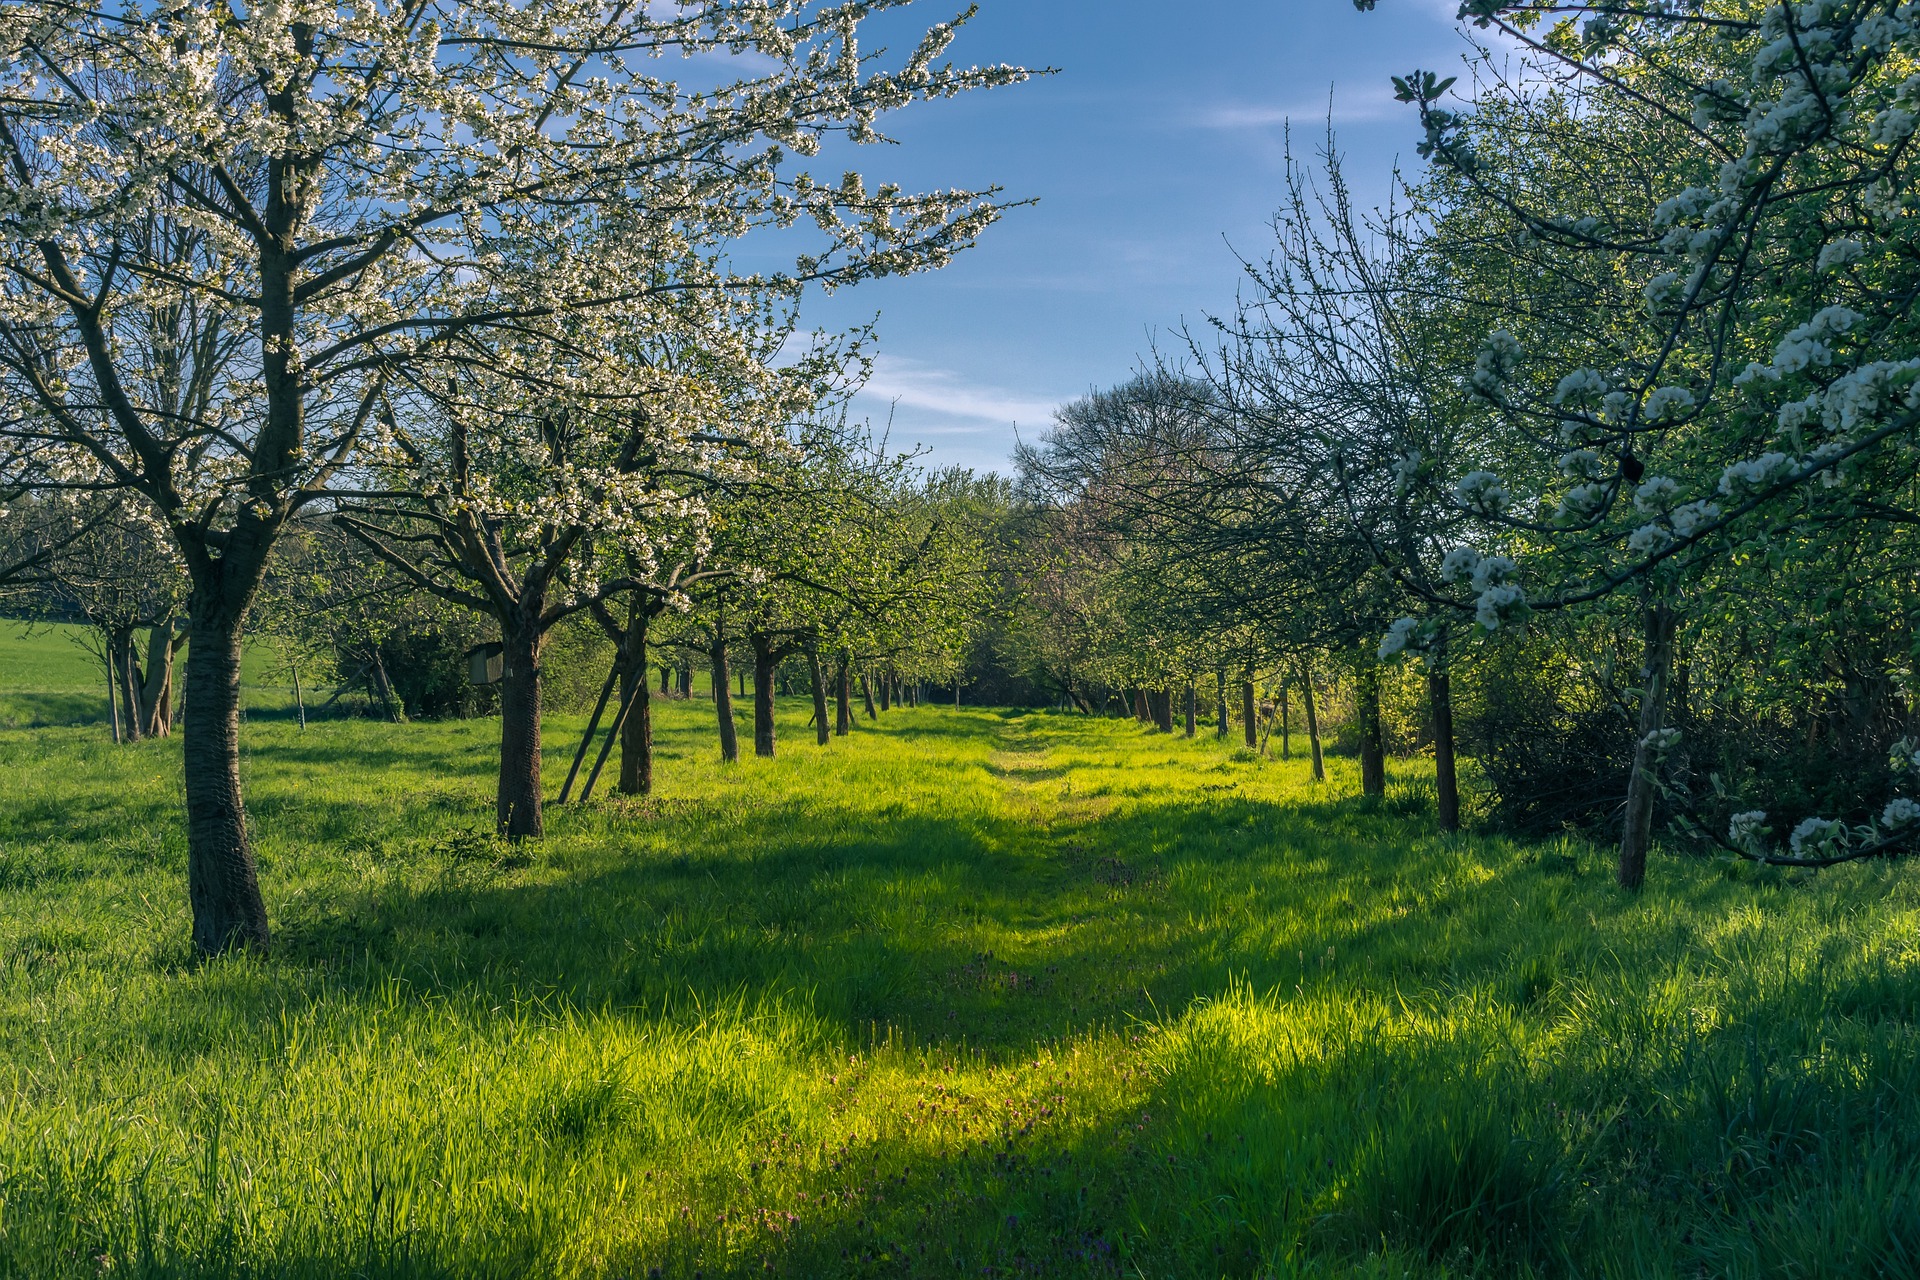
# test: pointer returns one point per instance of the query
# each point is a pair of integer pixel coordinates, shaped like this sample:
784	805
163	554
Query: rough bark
636	731
1656	668
222	881
1446	781
821	732
1373	755
517	806
765	661
1249	713
156	691
1313	727
723	700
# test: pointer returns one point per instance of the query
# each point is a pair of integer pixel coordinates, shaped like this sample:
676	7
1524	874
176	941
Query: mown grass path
969	993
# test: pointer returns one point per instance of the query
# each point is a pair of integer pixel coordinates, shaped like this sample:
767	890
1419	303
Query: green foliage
965	992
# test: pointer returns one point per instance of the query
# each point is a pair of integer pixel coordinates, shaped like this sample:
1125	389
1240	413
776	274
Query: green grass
969	994
49	677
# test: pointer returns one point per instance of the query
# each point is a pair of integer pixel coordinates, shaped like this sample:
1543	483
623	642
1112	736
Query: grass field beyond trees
971	993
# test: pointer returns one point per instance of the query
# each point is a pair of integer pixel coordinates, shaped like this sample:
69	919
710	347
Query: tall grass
970	993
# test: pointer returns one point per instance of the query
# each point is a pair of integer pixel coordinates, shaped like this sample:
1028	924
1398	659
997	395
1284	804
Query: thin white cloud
1348	106
912	384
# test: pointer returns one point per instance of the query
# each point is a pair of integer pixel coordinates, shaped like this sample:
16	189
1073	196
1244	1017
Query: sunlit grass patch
963	994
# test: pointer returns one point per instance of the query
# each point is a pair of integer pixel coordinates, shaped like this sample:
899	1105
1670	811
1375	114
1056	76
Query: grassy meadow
971	993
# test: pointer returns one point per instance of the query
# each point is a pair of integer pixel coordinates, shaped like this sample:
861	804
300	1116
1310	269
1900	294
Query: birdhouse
486	663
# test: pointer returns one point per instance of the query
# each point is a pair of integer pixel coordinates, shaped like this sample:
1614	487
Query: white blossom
1505	603
1491	571
1649	539
1482	491
1754	472
1458	563
1668	402
1818	835
1691	516
1838	254
1582	386
1900	812
1655	494
1746	828
1398	636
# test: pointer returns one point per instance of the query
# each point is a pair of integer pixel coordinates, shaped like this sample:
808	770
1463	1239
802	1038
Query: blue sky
1154	153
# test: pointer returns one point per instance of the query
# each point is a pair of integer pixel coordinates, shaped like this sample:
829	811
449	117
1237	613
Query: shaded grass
969	993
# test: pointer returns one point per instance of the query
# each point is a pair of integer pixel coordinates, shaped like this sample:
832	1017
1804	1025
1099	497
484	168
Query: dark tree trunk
222	882
1163	711
128	665
765	661
686	679
517	806
886	692
1446	784
821	732
723	700
636	731
866	694
1286	722
666	676
1373	756
842	701
1193	708
113	690
1220	678
1313	727
1656	671
1250	713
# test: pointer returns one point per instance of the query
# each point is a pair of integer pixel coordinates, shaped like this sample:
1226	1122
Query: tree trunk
1286	723
395	712
686	679
842	701
723	700
517	806
222	882
128	665
1220	678
1373	755
1446	783
1163	711
1313	727
113	689
1655	672
821	732
764	663
1249	712
636	731
156	693
1193	707
866	694
299	699
886	691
